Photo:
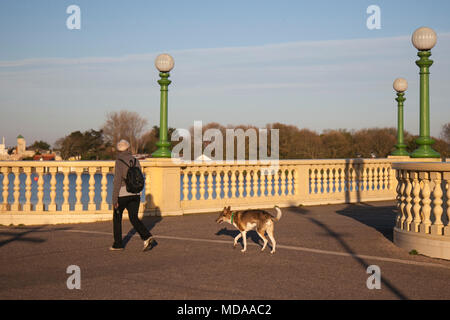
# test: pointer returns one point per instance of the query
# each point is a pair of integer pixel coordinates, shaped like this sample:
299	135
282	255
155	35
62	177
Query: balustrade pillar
78	186
65	207
210	184
414	227
16	189
437	226
40	189
104	206
447	186
5	192
408	204
52	204
424	227
27	205
91	205
402	198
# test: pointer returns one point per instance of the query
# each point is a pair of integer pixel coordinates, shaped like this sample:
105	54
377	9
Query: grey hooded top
120	174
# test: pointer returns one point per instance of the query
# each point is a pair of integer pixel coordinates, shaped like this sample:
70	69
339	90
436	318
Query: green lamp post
164	63
400	85
424	39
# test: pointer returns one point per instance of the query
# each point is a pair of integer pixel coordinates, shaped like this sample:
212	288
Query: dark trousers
131	203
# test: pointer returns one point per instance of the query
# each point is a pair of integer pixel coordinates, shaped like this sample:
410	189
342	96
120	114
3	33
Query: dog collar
232	217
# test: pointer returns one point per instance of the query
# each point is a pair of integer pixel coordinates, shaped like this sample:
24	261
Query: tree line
294	142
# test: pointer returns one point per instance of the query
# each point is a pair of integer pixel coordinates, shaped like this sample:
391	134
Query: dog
248	220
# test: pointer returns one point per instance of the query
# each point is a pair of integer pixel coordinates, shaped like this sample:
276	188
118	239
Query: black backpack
135	179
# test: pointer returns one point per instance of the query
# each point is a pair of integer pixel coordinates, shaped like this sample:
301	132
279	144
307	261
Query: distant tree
40	145
126	125
445	133
149	139
378	141
309	145
88	145
337	144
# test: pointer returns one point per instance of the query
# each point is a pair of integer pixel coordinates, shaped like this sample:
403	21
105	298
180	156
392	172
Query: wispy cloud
317	84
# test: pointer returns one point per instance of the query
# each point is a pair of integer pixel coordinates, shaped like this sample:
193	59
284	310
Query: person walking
122	199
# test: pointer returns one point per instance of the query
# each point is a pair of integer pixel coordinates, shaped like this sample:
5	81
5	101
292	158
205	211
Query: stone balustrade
423	201
37	192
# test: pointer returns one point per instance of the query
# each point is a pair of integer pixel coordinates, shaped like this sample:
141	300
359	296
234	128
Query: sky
313	64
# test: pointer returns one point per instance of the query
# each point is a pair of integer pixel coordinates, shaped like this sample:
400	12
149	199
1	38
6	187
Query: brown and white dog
248	220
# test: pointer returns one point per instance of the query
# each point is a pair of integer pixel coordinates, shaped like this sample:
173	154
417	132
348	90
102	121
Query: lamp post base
425	151
400	150
163	150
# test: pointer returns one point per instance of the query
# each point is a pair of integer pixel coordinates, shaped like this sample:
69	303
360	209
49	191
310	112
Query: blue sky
313	64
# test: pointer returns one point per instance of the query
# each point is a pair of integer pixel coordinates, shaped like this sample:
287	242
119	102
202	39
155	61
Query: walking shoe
148	243
114	248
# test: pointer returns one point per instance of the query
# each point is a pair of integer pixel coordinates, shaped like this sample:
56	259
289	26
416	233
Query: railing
291	183
423	201
76	189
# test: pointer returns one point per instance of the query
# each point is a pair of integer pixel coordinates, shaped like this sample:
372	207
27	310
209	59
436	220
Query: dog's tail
278	217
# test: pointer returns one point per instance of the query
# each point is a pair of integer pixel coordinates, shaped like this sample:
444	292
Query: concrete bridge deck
323	253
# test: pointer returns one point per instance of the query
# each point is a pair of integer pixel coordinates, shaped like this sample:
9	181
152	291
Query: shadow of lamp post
164	63
424	39
400	85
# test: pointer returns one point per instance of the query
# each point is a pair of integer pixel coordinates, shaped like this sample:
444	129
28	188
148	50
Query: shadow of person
152	216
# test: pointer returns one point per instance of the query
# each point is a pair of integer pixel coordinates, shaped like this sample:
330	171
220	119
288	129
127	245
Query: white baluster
104	189
210	183
276	178
16	189
283	182
202	185
416	199
289	181
194	183
5	192
424	227
269	183
27	205
65	207
40	189
240	179
447	227
437	226
248	182
233	183
226	186
185	184
78	194
408	204
404	175
52	204
218	182
407	201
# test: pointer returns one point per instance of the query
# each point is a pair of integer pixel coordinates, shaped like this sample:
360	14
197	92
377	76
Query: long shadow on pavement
381	219
347	248
149	223
23	236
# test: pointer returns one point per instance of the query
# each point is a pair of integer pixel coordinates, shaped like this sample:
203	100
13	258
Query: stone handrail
76	191
423	201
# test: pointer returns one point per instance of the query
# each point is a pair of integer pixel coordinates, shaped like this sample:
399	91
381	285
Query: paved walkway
323	253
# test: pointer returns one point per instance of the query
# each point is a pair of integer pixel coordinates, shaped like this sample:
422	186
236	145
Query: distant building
3	150
45	157
21	145
20	151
